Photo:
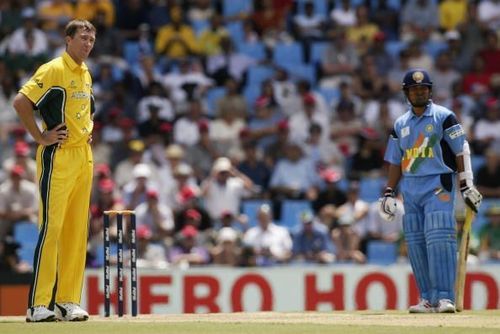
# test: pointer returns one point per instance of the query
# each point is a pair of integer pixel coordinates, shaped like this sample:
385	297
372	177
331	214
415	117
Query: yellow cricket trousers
65	182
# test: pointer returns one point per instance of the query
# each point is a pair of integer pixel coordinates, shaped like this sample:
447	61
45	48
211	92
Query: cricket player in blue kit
425	151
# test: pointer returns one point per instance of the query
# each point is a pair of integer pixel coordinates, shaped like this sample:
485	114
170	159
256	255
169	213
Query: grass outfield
366	322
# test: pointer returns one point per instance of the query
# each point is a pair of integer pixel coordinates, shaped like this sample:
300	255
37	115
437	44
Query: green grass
478	322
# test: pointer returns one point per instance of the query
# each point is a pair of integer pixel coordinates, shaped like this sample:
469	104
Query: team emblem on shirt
39	83
429	128
418	77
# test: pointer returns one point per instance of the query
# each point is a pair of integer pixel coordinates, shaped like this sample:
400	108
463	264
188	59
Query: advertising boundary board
283	289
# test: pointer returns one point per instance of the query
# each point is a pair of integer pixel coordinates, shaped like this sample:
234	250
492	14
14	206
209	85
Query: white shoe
40	314
445	306
70	312
424	306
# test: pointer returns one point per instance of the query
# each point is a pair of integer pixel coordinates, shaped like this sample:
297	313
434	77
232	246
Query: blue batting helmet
417	77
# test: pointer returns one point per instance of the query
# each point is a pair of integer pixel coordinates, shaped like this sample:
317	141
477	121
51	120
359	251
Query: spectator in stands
191	210
209	39
268	19
157	216
262	127
22	157
188	251
418	57
110	43
472	34
135	191
254	167
311	242
200	10
419	19
18	201
9	258
176	40
397	72
351	227
489	13
487	129
381	58
309	25
476	75
149	253
149	76
330	194
363	32
488	175
8	116
490	236
444	75
339	61
130	15
295	176
386	16
367	82
284	91
186	128
346	127
28	41
322	151
155	105
491	53
368	160
228	63
232	100
123	171
224	188
275	151
452	13
227	251
380	229
202	154
301	121
270	243
343	15
54	12
91	9
183	177
225	130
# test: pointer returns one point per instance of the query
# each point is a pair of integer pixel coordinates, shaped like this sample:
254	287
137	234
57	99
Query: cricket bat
462	260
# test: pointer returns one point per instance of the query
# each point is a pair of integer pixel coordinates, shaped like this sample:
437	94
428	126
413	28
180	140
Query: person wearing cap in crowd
352	226
225	188
28	41
490	235
330	193
227	250
295	176
270	243
276	149
188	199
134	192
123	170
186	128
311	241
253	166
18	201
157	216
183	177
301	121
149	253
22	158
166	163
202	154
188	251
321	150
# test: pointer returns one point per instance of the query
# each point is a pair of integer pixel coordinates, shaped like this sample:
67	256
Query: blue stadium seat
131	52
257	74
371	188
232	7
302	71
251	93
250	207
393	48
286	54
382	253
317	50
235	29
291	211
254	50
330	94
26	234
214	94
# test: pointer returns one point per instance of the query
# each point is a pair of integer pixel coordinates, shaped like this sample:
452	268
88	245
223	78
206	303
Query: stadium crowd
251	133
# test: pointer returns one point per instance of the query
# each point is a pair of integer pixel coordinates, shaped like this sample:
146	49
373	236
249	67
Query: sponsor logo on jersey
80	95
405	131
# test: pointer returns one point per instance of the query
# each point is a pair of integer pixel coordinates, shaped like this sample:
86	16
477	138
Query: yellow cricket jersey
62	91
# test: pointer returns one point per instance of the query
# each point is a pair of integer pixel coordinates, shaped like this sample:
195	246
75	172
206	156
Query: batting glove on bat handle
388	205
472	197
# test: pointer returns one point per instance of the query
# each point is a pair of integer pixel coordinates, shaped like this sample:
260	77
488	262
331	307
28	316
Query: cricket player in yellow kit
62	92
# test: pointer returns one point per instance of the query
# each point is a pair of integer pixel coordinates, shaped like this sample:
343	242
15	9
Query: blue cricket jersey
426	145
